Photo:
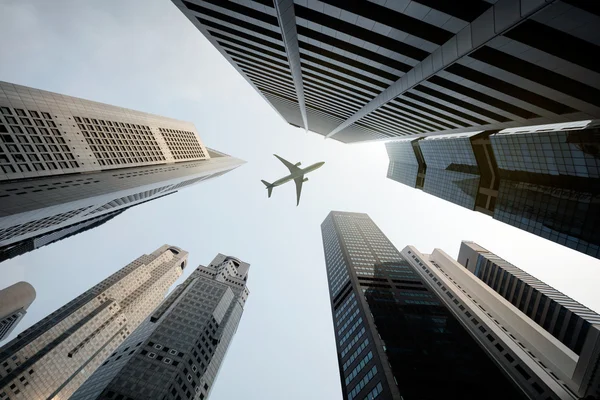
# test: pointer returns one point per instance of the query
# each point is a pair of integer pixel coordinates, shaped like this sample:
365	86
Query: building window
522	372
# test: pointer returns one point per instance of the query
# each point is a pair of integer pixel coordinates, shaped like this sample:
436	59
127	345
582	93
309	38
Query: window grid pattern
345	304
564	216
377	390
456	187
337	270
403	172
29	187
350	331
339	320
182	144
365	244
573	153
353	342
31	141
18	230
363	382
8	322
130	199
349	321
40	348
452	171
359	367
117	144
356	353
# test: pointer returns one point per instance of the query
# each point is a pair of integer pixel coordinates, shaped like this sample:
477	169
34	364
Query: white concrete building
65	160
537	361
14	301
52	358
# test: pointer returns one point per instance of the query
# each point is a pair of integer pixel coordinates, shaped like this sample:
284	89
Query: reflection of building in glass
177	352
395	336
358	71
546	341
543	179
14	302
68	163
53	357
452	172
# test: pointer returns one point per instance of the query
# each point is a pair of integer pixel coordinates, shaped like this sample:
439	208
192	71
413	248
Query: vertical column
287	23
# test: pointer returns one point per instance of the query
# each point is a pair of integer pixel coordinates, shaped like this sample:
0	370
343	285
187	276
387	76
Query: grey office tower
177	352
373	70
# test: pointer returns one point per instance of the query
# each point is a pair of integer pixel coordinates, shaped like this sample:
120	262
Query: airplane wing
298	182
288	164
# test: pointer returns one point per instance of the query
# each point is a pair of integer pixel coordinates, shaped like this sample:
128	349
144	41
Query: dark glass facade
544	180
550	185
406	163
560	315
395	338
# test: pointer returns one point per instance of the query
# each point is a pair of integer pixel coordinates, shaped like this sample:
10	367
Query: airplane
296	174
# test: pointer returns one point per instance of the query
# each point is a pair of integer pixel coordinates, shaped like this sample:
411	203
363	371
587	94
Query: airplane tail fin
269	187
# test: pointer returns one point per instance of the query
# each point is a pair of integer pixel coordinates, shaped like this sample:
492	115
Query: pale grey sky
145	55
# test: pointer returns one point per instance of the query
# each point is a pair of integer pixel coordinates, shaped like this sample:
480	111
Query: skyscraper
66	163
542	339
567	320
395	336
368	70
52	358
35	242
542	179
177	352
14	301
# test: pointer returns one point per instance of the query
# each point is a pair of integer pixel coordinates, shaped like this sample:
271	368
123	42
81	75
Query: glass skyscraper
543	179
395	337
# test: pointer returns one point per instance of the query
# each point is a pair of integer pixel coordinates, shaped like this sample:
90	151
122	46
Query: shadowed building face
544	179
394	335
358	71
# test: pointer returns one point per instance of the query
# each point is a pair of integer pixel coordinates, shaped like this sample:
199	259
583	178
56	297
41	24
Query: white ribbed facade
538	362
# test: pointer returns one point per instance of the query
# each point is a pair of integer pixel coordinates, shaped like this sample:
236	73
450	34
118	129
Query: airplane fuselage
298	174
